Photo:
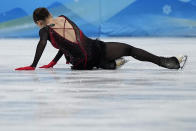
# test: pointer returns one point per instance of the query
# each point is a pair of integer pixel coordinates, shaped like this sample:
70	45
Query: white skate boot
120	62
182	60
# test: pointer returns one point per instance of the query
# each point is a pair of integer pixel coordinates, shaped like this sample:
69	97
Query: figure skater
85	53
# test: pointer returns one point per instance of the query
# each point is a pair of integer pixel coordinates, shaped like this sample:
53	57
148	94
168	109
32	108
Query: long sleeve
58	56
41	46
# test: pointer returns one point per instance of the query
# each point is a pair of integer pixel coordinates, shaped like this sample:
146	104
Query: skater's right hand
25	68
50	65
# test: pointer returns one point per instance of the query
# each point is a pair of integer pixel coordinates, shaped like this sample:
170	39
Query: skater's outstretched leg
115	50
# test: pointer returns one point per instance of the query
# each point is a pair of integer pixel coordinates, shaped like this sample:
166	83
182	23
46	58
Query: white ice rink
140	96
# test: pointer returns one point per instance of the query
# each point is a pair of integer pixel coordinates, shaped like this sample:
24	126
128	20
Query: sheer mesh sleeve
43	33
58	56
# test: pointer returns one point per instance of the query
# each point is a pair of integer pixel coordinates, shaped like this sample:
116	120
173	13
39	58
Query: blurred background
104	18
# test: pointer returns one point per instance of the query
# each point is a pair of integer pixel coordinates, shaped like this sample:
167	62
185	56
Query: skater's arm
40	47
54	61
58	56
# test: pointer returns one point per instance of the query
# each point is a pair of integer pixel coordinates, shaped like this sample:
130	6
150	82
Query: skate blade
184	62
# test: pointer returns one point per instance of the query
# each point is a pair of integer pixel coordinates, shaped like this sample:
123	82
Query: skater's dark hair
40	14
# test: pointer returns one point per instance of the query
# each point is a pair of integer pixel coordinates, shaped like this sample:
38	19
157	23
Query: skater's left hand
50	65
25	68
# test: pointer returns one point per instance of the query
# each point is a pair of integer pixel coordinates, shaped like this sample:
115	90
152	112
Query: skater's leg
115	50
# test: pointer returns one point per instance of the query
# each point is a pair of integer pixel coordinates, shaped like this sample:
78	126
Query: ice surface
140	96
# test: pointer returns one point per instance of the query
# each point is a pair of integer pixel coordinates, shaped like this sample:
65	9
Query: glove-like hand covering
26	68
50	65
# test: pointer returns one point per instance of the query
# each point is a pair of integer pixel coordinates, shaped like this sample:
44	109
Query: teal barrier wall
104	17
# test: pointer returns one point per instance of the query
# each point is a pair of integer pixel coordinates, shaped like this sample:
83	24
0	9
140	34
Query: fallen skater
85	53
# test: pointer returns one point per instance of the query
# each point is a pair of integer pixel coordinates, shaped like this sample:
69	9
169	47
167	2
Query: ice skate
120	62
182	60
